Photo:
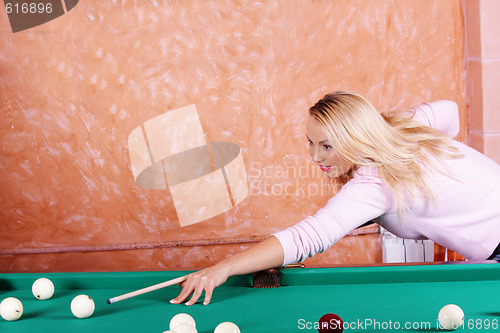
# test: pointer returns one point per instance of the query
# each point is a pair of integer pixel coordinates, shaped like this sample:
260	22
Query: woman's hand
263	255
205	280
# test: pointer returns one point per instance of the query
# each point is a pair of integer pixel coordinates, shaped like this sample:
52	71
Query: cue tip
108	301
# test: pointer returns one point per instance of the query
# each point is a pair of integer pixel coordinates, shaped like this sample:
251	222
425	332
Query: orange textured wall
483	75
73	89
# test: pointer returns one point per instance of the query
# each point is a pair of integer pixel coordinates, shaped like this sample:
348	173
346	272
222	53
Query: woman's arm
441	115
264	255
364	198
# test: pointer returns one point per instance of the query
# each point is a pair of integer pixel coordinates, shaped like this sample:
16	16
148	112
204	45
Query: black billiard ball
330	323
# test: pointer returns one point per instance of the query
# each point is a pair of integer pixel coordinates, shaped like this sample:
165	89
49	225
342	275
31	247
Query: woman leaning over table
402	170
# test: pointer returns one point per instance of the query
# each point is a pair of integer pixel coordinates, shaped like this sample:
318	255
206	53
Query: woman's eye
327	147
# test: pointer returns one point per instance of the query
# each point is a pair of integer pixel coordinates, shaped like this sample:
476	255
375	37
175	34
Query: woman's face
322	152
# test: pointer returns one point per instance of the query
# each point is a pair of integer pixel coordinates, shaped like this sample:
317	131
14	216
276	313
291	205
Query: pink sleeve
441	115
360	200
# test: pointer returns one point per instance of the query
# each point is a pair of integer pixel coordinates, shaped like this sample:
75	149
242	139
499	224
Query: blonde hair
397	146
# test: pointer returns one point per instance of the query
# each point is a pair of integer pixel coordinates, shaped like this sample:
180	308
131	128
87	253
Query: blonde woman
402	170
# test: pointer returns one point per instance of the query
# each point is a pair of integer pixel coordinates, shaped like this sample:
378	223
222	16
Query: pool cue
147	289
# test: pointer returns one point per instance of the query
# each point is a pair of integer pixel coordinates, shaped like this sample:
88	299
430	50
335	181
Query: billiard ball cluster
184	323
11	308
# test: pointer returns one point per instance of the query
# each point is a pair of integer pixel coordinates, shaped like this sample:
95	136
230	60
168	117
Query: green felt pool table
368	299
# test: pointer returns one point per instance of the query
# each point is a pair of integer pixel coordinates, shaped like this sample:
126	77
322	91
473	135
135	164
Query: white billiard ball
11	309
451	317
82	306
185	328
181	318
227	327
43	288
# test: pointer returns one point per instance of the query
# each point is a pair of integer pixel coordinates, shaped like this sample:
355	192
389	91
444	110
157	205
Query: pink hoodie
465	216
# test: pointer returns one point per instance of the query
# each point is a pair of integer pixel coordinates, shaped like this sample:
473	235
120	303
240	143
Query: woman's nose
316	154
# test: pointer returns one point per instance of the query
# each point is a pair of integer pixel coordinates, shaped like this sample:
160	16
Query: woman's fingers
196	294
194	285
187	289
208	295
205	285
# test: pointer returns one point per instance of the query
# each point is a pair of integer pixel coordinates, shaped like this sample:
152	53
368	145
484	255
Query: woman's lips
324	167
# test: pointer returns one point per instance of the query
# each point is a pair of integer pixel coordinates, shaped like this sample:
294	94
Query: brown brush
270	278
